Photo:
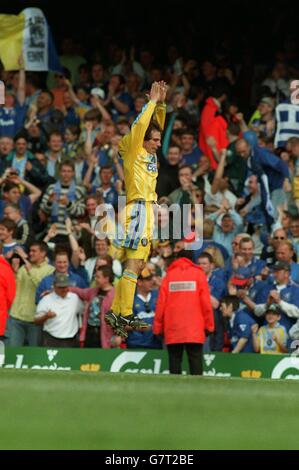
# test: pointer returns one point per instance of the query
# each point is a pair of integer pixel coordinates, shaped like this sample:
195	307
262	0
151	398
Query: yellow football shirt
140	168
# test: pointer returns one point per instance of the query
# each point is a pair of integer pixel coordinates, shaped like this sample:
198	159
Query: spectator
101	250
268	254
285	252
12	194
6	146
51	119
23	331
64	198
144	307
62	266
7	293
97	75
261	161
7	237
294	238
207	143
281	291
118	101
217	290
23	163
12	114
190	152
272	337
54	153
23	232
218	194
239	325
228	225
265	123
168	180
252	266
95	332
58	313
184	314
182	195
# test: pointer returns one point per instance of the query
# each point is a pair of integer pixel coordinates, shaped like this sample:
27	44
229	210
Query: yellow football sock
117	299
123	302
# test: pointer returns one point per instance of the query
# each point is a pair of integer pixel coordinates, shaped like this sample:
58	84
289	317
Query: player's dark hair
151	128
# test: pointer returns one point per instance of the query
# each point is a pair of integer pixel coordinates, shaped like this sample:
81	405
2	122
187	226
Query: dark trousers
175	357
92	338
52	342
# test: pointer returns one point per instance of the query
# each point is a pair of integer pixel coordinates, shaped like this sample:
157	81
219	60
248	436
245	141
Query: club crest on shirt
152	164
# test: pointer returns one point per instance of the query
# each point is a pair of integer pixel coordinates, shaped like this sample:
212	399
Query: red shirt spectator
214	126
7	292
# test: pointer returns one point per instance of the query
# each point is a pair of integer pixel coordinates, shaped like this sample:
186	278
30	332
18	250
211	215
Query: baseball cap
239	281
98	92
61	280
145	274
267	100
273	308
279	265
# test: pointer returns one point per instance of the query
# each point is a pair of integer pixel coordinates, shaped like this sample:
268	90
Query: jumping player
138	151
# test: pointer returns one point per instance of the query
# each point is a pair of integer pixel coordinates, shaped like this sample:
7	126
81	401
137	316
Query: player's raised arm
136	136
160	111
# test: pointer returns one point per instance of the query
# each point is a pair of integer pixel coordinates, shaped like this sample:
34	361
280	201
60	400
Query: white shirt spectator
67	309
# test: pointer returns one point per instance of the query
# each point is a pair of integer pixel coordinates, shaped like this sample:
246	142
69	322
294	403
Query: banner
27	33
287	123
154	361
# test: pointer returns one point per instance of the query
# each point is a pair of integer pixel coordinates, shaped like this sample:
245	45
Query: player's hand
255	328
155	92
163	91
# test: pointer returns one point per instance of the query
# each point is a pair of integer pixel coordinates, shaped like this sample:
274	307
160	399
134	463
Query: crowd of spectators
59	138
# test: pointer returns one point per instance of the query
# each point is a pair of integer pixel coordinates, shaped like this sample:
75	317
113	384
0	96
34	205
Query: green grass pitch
75	410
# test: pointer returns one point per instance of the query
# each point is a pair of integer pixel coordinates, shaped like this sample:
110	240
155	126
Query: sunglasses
279	238
147	307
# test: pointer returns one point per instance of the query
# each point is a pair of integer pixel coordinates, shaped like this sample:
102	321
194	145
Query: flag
287	118
27	33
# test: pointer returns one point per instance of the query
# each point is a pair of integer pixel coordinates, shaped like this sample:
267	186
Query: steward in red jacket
7	292
184	313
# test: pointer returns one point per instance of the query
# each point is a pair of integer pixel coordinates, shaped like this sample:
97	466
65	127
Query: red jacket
7	292
184	309
212	126
88	295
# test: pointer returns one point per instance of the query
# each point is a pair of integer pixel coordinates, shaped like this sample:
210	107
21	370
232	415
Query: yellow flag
11	40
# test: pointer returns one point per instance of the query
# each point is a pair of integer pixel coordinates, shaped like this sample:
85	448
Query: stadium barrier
253	366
